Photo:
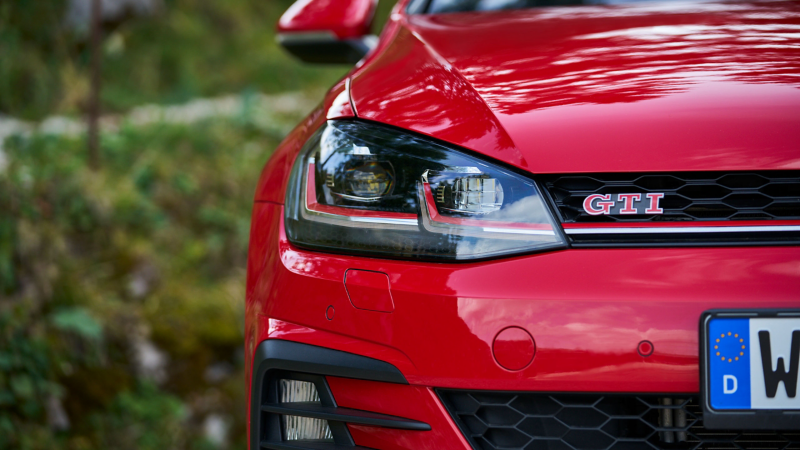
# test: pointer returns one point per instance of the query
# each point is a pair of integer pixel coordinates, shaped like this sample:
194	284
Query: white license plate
752	363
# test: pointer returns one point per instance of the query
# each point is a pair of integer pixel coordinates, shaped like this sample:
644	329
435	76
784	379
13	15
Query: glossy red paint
638	87
646	348
337	103
343	18
513	348
704	86
588	311
369	291
414	402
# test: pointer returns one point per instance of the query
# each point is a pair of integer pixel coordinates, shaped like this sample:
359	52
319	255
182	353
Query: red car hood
646	87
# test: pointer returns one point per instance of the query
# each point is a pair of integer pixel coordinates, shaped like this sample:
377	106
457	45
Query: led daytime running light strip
680	230
437	223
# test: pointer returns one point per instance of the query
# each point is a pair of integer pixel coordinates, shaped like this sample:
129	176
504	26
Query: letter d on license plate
749	369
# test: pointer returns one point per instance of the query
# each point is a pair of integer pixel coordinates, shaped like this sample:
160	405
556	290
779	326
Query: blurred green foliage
32	55
188	49
103	271
152	248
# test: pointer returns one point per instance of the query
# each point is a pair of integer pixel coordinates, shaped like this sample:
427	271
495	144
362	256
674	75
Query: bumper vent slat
282	374
532	421
300	445
346	415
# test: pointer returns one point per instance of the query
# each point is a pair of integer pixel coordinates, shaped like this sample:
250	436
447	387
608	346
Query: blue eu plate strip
729	363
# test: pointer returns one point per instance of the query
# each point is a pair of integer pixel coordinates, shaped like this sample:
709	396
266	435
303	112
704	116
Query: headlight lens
369	189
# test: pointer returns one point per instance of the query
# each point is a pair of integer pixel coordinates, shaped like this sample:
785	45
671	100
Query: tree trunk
94	100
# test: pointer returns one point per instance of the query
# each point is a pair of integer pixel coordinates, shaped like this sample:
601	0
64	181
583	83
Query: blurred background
122	274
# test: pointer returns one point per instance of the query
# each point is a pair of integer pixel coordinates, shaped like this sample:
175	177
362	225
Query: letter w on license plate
749	371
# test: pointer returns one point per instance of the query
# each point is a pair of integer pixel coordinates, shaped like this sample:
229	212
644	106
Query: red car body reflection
651	87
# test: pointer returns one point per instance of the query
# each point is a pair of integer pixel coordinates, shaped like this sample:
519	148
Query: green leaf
22	386
6	398
78	321
6	361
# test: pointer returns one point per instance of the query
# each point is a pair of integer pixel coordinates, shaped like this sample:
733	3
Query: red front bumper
587	311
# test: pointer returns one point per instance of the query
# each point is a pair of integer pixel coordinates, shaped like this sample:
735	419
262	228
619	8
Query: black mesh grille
688	196
499	420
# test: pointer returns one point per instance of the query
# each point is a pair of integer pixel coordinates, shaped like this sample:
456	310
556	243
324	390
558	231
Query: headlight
369	189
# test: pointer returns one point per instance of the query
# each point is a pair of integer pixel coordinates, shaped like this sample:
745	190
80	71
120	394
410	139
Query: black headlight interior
369	189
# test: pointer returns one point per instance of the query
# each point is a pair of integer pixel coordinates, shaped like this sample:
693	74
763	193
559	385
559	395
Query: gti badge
604	204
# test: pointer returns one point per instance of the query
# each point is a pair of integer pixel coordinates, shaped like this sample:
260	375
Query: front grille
688	196
533	421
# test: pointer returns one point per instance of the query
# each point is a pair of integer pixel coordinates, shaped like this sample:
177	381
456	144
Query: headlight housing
369	189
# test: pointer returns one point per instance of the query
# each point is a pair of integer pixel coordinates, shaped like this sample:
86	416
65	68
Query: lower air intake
533	421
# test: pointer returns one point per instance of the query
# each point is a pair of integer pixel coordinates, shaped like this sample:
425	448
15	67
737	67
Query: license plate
749	369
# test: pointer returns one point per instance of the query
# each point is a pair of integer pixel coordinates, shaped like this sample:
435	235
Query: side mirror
328	31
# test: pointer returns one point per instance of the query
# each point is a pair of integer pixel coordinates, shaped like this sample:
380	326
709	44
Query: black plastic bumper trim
275	358
297	357
315	411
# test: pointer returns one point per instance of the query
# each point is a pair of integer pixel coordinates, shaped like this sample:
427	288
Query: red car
533	224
